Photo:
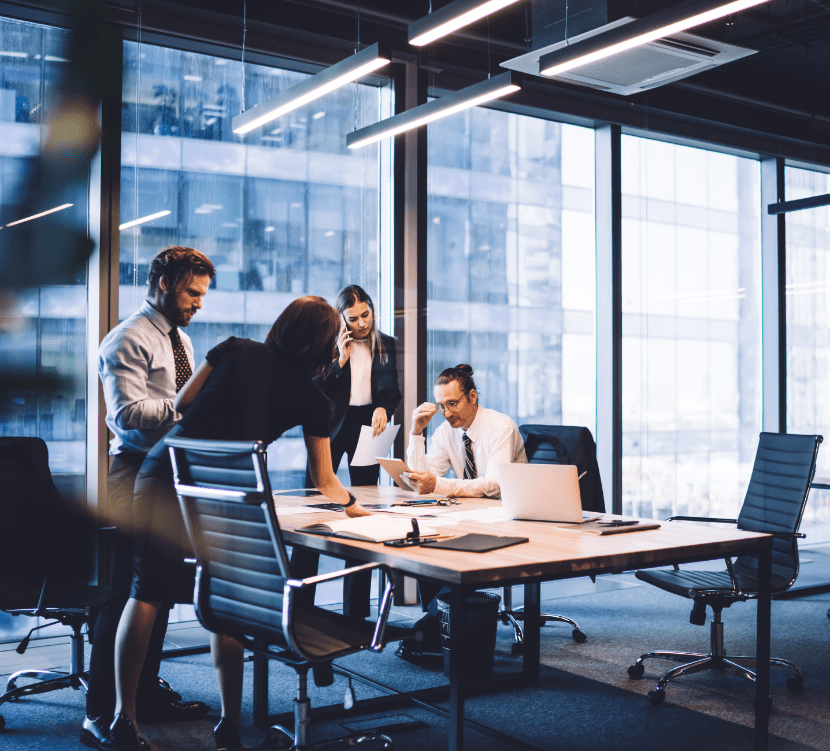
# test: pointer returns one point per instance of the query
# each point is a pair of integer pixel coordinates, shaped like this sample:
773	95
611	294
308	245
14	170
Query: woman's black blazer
337	385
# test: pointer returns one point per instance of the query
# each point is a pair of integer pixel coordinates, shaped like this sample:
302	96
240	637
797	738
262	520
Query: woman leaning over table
243	390
363	387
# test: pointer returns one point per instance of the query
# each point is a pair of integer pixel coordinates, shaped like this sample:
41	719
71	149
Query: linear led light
42	213
479	93
143	219
642	31
452	17
346	71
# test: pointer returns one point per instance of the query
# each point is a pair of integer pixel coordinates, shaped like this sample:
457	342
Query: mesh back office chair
244	586
558	444
41	545
778	489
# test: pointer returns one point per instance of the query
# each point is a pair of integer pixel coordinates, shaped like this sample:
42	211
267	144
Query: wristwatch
352	501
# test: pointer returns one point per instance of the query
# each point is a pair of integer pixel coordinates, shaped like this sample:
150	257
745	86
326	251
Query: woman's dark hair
350	296
176	263
307	330
461	373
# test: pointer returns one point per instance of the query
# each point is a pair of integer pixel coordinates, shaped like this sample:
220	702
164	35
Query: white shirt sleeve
123	364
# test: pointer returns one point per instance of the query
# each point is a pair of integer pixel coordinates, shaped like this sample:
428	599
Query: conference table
553	551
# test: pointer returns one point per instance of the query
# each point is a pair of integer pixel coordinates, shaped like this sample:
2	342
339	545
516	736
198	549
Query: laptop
543	493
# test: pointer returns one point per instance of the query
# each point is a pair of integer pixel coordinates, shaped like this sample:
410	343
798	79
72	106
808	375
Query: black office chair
45	556
557	444
244	586
778	489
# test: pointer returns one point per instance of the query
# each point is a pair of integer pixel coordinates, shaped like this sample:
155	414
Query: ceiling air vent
641	68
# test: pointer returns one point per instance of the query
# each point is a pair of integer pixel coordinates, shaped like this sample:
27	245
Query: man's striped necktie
469	459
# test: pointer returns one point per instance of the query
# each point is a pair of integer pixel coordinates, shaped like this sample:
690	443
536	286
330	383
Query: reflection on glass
285	211
43	348
808	331
691	329
511	257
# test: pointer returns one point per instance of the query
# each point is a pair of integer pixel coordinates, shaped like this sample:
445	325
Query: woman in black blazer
363	387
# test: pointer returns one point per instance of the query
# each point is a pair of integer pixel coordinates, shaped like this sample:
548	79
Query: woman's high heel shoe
226	734
123	734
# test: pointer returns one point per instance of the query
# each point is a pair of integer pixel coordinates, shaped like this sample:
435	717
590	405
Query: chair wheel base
656	697
636	671
795	682
578	636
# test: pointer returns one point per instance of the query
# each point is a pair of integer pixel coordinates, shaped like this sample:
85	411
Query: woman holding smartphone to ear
363	387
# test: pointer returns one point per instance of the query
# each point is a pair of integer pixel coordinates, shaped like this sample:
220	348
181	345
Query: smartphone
409	542
617	522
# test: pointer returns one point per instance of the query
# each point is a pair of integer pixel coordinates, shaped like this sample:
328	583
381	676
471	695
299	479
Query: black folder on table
474	543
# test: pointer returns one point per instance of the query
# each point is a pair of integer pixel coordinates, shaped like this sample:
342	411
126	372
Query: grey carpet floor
583	701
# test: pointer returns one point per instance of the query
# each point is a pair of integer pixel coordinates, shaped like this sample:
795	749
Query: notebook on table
543	493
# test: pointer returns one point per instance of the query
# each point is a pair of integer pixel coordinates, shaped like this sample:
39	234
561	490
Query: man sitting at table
472	442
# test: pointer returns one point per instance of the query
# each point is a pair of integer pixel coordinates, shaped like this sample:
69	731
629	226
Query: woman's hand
379	421
344	344
357	510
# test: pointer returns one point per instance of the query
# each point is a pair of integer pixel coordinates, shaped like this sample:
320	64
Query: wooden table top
550	553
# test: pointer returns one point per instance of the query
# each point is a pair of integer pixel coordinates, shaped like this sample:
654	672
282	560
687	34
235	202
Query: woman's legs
227	655
131	640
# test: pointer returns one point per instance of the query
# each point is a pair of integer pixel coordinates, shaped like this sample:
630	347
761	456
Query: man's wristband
352	501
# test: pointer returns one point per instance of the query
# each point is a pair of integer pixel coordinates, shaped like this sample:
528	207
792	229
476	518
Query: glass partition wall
808	331
691	285
510	263
283	212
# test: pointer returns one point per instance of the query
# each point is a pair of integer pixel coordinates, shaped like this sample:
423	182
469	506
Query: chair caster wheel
795	682
518	648
656	697
578	636
636	671
2	722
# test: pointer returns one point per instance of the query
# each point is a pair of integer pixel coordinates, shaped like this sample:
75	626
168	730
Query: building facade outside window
808	331
691	329
285	211
511	263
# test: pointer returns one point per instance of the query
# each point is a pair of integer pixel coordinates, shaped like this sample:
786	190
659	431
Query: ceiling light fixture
452	17
661	24
42	213
144	219
472	96
346	71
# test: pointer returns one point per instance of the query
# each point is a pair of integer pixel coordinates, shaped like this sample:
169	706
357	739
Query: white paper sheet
368	447
291	510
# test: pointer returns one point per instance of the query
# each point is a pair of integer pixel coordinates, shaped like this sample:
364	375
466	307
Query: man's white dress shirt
495	439
138	372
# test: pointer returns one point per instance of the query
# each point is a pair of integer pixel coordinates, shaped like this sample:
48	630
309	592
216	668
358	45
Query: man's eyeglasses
451	405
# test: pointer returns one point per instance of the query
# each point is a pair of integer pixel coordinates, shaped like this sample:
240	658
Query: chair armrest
311	581
700	519
384	606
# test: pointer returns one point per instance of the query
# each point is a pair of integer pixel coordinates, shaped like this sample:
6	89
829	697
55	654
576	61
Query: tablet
394	467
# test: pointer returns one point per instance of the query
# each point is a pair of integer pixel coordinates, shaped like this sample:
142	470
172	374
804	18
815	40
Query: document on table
368	447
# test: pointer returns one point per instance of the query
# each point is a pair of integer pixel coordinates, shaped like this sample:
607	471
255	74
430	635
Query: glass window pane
808	331
43	341
691	329
511	262
285	211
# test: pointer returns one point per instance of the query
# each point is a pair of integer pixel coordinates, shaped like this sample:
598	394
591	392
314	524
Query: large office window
808	331
511	262
283	212
43	339
691	328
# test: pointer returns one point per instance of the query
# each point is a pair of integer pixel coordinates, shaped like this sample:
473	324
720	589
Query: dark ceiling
782	92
